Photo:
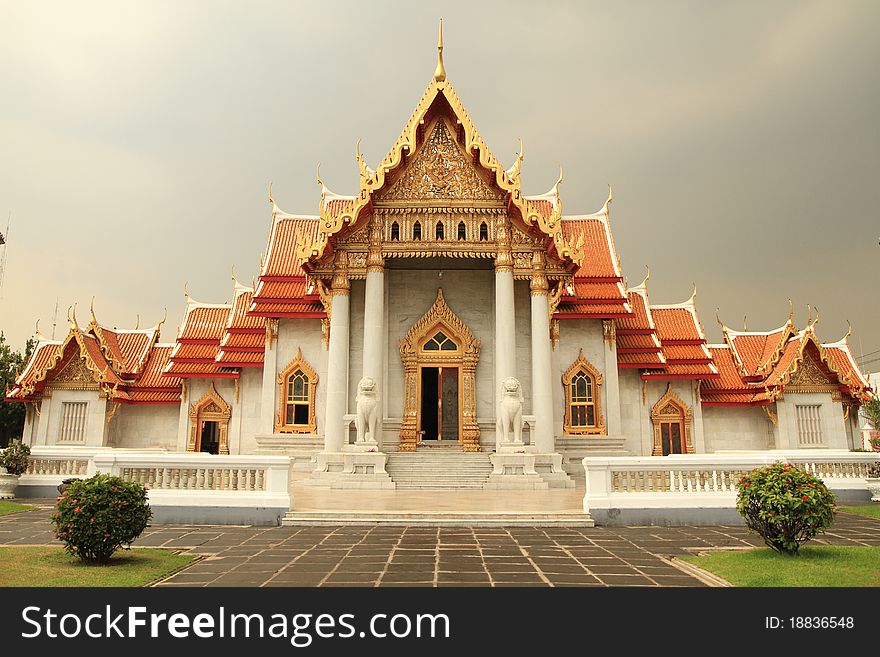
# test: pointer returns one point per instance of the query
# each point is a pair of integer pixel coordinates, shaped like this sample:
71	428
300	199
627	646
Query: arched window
440	342
484	232
296	403
395	232
461	231
583	407
417	230
672	420
439	230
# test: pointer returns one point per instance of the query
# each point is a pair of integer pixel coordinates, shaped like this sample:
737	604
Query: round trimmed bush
785	505
15	457
95	517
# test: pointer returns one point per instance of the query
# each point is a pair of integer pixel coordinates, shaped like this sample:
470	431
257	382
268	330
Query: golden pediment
809	377
75	375
440	172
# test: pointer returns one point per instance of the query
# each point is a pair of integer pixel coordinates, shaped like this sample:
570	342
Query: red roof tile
675	323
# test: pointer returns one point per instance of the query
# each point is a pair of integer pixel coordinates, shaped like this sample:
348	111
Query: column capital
504	255
341	283
375	261
539	284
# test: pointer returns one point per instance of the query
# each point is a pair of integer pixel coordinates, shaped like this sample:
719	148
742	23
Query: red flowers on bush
785	505
88	521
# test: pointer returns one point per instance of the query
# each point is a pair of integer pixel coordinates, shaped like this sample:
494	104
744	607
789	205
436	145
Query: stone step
444	469
438	519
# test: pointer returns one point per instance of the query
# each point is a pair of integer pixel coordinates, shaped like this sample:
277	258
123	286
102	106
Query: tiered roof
683	343
243	343
125	364
638	346
597	290
756	367
283	288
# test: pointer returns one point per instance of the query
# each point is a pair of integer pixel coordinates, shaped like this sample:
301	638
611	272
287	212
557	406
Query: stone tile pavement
436	556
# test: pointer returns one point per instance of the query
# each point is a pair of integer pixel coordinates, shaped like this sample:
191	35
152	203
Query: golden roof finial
164	317
186	291
271	200
816	321
790	311
137	321
92	310
37	330
718	318
440	72
809	315
745	323
848	331
694	295
234	280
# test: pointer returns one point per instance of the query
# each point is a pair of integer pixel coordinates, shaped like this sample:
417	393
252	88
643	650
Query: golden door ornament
671	408
466	356
210	408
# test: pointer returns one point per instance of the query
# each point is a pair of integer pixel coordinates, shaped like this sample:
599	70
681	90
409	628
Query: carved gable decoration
75	375
810	377
440	171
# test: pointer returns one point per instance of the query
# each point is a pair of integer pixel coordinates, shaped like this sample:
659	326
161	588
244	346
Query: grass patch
49	565
872	510
815	565
7	507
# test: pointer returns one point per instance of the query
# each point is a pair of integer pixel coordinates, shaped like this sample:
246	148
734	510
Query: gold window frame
298	364
582	365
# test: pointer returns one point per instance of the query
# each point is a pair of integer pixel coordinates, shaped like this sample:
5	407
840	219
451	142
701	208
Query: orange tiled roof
204	322
44	355
676	324
287	231
640	360
303	309
195	352
128	350
240	358
594	233
634	343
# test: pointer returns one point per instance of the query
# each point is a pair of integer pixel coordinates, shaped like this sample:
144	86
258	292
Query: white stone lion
509	412
367	410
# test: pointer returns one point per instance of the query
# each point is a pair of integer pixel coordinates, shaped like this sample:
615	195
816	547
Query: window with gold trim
297	388
583	409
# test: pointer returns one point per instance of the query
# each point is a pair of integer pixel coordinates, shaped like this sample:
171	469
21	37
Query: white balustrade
706	480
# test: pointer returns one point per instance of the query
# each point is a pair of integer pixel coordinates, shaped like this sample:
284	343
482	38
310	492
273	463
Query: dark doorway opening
210	438
430	403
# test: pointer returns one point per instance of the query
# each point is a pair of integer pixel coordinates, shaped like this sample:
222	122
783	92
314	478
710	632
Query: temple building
439	315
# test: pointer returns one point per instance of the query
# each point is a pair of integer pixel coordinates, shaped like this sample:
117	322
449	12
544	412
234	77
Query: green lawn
7	507
52	566
872	510
816	565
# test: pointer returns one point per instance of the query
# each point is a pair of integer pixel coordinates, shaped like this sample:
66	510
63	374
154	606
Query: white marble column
612	387
374	316
337	359
505	317
270	366
43	425
544	439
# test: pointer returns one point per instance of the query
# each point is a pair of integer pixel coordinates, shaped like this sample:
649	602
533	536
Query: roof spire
718	318
746	323
790	311
137	321
440	72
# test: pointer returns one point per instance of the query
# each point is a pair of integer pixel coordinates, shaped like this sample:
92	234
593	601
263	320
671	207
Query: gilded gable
440	171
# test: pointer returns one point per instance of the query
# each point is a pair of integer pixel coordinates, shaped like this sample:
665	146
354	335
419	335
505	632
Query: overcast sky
741	139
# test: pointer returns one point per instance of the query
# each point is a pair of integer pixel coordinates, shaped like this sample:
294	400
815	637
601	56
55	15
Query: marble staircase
438	468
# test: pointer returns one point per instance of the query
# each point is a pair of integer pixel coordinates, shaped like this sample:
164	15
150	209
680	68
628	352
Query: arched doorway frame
466	356
211	407
670	408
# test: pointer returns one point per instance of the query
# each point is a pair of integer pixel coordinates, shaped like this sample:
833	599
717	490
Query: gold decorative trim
670	408
210	408
297	364
465	357
609	332
771	415
581	364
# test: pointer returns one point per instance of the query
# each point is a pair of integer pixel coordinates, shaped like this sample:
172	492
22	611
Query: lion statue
510	412
367	410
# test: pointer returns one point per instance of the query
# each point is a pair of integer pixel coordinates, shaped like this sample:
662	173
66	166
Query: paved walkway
436	556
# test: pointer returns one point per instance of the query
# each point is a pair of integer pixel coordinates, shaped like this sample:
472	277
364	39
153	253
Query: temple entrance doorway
440	355
440	405
209	441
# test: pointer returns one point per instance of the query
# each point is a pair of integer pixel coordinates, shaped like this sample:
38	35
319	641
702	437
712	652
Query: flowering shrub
95	517
15	458
785	505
